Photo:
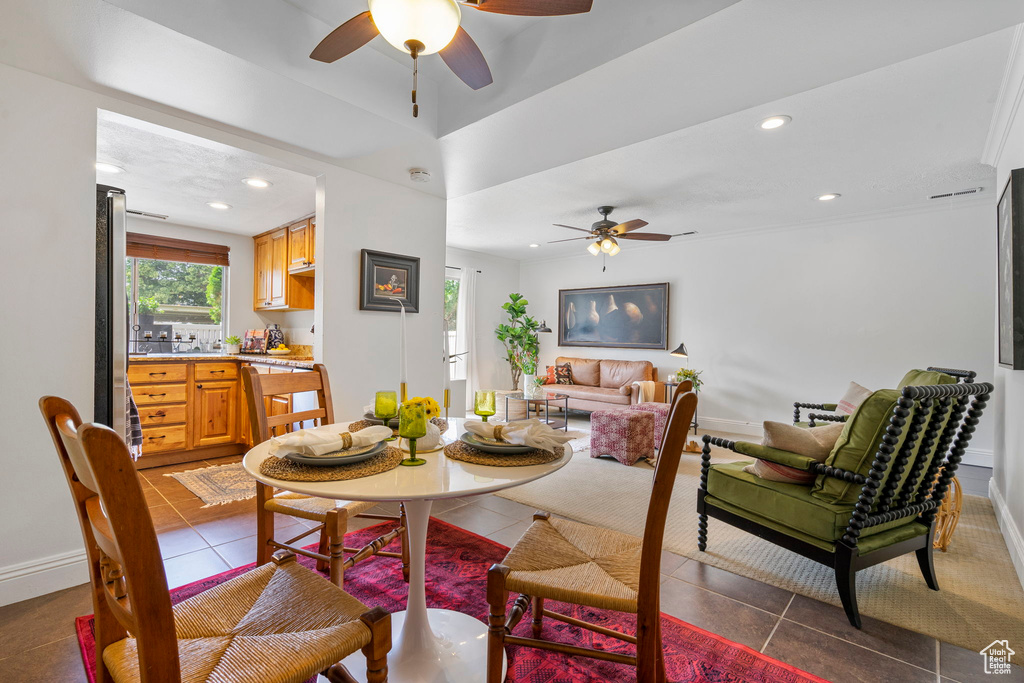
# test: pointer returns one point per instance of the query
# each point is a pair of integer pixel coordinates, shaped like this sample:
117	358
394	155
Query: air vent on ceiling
146	214
958	193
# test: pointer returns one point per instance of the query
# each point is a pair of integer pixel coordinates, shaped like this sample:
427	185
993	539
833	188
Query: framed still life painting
626	317
389	281
1010	221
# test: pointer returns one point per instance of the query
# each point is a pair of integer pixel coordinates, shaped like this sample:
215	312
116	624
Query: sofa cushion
563	374
790	505
611	396
620	373
925	378
585	371
815	442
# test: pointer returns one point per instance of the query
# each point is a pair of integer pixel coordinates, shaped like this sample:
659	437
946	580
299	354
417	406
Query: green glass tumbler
412	425
483	404
385	407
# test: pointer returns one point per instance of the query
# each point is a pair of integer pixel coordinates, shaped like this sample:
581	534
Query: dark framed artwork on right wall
1010	221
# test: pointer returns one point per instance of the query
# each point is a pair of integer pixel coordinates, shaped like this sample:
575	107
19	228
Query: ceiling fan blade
628	226
648	236
571	239
347	38
464	58
559	225
533	8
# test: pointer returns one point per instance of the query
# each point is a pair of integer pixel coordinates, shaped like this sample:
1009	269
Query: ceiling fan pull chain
415	47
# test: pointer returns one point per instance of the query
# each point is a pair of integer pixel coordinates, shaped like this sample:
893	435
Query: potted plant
519	336
232	344
689	374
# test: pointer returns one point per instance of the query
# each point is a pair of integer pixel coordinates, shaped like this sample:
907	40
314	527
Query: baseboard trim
38	577
979	457
1011	532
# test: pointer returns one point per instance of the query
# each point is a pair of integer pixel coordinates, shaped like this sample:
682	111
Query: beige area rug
219	484
980	599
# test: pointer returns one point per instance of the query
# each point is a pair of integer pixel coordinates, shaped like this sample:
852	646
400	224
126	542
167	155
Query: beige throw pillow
853	397
816	442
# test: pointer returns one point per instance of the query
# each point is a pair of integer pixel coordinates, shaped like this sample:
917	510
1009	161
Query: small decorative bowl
276	352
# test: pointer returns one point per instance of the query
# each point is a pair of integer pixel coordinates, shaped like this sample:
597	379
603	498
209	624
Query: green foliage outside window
214	287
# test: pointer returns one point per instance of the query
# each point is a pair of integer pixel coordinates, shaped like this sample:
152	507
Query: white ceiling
175	174
647	105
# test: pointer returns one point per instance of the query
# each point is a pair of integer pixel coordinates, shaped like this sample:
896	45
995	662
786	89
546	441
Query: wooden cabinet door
261	272
311	242
278	268
215	413
298	246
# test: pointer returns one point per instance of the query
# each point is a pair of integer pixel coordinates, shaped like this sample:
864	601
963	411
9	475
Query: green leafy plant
519	336
214	288
693	375
148	304
233	340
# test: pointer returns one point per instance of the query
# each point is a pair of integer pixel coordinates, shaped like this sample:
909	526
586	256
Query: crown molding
1011	93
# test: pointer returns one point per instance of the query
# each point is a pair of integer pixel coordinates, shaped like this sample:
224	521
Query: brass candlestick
404	392
446	402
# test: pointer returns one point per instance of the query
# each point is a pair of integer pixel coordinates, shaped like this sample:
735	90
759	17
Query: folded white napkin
323	440
533	433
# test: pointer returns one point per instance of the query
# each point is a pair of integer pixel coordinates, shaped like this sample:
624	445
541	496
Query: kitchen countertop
292	361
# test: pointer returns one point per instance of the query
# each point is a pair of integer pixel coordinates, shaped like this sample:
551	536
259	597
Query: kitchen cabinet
275	287
215	416
301	246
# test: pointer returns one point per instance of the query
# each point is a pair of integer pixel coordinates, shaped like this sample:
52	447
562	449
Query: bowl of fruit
281	350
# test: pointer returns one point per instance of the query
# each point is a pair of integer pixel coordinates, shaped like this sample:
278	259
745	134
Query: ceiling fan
606	233
423	27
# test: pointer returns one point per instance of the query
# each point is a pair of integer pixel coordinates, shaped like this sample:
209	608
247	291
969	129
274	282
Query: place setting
329	454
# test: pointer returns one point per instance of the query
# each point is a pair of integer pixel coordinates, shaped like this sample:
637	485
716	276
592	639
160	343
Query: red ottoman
626	435
660	411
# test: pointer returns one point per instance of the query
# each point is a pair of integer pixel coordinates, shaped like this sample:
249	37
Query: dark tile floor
37	640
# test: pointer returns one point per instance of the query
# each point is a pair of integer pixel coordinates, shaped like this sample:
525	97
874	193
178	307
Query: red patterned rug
457	564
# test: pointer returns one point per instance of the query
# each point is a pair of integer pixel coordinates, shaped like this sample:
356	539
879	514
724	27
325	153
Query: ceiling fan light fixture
607	244
431	22
615	249
594	248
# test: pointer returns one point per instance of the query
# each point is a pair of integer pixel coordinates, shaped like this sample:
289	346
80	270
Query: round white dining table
428	645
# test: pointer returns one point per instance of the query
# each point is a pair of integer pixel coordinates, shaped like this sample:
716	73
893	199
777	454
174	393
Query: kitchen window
177	294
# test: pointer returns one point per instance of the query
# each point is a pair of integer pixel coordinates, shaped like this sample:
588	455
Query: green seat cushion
791	507
925	378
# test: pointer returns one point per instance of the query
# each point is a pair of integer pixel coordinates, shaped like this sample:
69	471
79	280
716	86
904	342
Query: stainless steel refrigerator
112	329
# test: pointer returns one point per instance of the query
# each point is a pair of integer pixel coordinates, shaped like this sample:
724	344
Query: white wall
498	278
48	141
1006	151
783	316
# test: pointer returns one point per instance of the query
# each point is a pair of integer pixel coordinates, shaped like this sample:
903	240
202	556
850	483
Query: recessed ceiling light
773	122
534	246
828	197
257	182
104	167
221	206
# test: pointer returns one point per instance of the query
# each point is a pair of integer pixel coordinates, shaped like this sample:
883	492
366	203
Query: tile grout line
722	595
779	621
17	654
863	647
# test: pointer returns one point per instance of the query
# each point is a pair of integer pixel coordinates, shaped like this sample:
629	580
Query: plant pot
232	348
529	384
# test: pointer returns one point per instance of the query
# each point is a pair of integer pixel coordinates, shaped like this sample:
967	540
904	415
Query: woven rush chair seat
274	624
572	562
312	508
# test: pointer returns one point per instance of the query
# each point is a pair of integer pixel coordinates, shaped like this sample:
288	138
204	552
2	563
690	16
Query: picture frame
387	279
620	317
1010	278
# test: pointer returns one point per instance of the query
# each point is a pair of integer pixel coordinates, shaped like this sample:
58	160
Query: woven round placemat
441	423
466	453
286	470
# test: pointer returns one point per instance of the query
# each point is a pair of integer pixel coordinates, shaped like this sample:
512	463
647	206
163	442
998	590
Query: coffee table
545	400
436	645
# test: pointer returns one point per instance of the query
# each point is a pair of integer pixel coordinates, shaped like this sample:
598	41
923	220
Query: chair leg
323	547
403	521
334	529
846	582
264	524
925	560
497	599
376	651
702	532
538	616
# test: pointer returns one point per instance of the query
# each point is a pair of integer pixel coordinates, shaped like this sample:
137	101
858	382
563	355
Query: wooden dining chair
267	421
279	622
558	559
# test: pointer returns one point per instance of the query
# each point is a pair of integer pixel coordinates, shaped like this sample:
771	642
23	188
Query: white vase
529	385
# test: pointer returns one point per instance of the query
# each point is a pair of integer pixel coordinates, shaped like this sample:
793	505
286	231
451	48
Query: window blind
171	249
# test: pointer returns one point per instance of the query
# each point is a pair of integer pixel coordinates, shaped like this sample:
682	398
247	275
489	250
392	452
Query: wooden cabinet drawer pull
156	394
154	374
157	414
156	438
199	386
213	372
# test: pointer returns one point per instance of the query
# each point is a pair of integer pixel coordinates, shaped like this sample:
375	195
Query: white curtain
465	337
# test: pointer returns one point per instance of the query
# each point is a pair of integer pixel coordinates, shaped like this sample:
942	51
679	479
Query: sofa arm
634	396
779	457
626	390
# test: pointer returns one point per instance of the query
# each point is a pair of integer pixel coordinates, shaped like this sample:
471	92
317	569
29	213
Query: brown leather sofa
601	384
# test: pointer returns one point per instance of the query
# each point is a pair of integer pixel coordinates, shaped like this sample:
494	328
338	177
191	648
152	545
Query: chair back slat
259	388
684	405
